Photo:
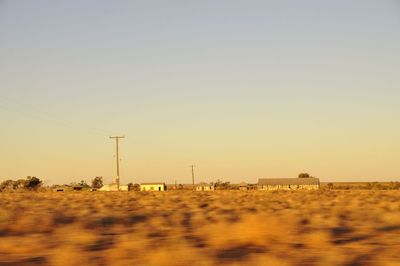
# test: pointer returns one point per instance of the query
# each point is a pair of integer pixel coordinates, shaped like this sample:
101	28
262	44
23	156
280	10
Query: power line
192	176
117	155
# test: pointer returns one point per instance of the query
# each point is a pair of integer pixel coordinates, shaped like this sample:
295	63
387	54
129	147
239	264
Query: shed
157	186
243	186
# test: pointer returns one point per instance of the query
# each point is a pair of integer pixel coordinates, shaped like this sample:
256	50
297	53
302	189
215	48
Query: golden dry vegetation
201	228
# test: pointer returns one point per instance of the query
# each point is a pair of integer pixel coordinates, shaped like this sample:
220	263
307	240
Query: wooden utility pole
117	155
192	176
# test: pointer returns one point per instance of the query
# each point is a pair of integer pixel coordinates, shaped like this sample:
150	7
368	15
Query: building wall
205	188
124	188
287	187
114	187
155	187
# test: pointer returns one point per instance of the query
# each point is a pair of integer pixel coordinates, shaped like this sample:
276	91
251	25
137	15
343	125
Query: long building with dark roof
288	183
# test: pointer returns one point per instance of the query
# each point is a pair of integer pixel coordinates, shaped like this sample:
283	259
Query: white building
153	186
114	187
205	187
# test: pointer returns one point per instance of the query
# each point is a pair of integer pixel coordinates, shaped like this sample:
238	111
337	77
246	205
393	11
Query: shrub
97	182
33	182
304	175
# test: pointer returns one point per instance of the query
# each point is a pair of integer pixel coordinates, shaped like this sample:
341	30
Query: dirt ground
201	228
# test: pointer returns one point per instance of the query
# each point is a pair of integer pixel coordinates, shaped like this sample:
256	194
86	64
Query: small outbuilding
205	187
114	187
59	189
288	183
153	186
243	186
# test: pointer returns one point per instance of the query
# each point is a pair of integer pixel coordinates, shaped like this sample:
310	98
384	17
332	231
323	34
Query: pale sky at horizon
242	89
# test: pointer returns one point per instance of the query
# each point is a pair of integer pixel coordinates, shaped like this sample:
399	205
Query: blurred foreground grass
199	228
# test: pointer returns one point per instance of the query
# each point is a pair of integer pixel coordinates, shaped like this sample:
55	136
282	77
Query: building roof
154	183
288	181
204	185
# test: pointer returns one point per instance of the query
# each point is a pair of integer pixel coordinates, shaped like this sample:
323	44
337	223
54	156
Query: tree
20	184
97	182
83	184
133	187
222	185
33	182
6	185
304	175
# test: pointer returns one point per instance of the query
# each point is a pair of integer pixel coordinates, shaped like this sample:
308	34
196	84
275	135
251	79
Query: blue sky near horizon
243	89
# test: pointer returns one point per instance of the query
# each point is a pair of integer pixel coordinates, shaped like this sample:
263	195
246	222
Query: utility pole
192	176
117	155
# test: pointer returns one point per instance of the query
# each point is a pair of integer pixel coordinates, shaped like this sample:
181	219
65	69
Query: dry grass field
216	228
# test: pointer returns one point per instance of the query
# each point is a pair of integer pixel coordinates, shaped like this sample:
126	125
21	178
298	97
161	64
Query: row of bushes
369	186
30	183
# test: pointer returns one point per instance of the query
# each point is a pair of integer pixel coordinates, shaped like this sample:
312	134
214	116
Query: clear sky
242	89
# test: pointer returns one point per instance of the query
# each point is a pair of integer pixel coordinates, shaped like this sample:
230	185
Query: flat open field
199	228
